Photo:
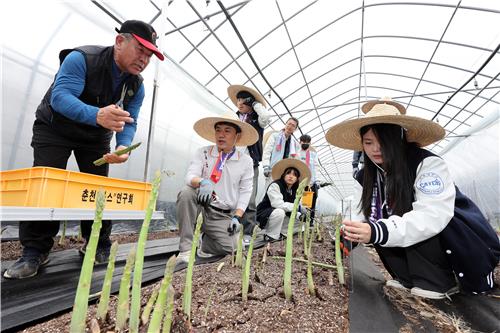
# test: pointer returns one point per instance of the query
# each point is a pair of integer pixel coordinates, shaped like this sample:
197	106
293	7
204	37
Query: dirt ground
217	305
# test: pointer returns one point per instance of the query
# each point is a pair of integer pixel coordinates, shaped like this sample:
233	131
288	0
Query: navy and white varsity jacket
471	244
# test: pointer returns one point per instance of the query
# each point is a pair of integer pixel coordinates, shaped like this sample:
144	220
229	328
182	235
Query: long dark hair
398	182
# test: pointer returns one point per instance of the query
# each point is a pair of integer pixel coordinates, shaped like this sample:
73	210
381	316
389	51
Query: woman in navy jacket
431	238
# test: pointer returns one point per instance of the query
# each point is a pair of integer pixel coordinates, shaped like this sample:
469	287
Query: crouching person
273	212
218	184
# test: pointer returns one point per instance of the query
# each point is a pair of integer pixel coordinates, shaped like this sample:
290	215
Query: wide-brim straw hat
384	111
286	163
234	89
205	127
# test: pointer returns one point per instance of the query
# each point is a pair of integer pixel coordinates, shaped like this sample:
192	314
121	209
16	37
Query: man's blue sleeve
125	137
68	86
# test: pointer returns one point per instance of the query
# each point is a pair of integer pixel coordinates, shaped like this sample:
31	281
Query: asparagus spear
101	161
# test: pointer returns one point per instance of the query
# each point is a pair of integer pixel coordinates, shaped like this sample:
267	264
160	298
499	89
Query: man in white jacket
219	184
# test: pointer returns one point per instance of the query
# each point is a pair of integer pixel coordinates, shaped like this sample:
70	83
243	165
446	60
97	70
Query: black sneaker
26	266
101	253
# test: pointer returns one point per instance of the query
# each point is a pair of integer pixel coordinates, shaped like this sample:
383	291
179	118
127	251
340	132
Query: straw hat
282	165
234	89
384	111
205	127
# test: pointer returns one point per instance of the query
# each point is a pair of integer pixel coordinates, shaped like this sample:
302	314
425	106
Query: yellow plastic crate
307	199
58	188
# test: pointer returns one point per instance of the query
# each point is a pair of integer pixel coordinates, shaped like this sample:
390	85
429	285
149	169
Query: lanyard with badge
216	174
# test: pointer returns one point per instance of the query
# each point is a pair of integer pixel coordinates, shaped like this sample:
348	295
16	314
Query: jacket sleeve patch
430	183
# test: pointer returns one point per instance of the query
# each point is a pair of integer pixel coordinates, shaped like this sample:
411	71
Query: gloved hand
302	209
235	225
316	185
267	171
205	192
354	172
249	101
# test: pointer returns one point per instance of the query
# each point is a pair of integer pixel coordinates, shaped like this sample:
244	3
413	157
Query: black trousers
53	150
422	265
314	189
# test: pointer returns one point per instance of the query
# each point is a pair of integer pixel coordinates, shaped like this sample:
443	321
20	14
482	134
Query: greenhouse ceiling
319	61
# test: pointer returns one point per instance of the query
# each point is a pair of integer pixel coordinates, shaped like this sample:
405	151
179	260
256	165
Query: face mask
305	146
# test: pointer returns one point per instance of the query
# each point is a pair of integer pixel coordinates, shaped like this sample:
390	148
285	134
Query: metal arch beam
259	40
377	87
435	50
200	53
352	12
361	55
239	5
303	75
215	29
380	56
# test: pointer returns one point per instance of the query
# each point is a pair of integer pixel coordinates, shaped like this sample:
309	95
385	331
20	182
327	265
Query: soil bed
266	309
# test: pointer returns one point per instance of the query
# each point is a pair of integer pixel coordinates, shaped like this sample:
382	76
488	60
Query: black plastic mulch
52	291
371	311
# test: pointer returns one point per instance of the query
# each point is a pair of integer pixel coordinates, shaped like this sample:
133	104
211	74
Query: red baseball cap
143	33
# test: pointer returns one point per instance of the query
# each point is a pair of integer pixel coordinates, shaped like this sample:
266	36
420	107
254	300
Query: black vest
264	208
255	150
98	91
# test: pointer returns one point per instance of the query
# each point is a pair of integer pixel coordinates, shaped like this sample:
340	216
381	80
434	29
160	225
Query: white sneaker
396	285
434	294
183	256
202	254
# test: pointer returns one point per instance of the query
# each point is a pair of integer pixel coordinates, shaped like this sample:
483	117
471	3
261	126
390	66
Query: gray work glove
267	171
235	225
302	209
205	192
257	105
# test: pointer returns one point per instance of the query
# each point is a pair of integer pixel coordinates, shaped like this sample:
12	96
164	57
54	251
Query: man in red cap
97	91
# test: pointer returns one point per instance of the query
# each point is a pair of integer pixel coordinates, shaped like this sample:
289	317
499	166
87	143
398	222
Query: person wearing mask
219	184
98	91
273	212
309	156
280	145
431	238
252	110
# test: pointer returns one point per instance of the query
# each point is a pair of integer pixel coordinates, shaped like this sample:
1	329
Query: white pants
278	224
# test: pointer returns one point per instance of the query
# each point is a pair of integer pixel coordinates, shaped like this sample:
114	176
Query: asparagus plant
186	297
169	309
82	293
139	263
239	250
101	161
307	232
159	310
149	306
338	251
287	278
102	309
62	240
310	281
245	280
122	308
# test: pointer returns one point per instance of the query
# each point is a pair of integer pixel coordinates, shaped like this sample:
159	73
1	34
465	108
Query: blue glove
267	171
302	209
235	225
205	192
